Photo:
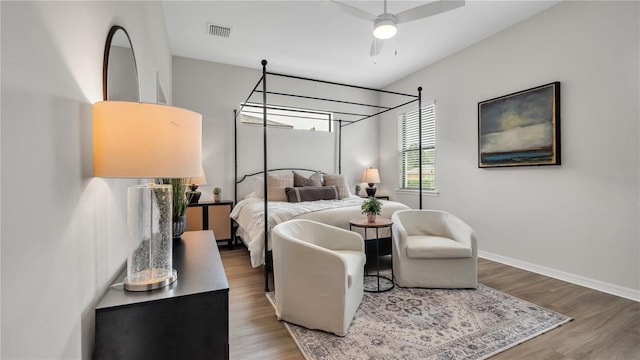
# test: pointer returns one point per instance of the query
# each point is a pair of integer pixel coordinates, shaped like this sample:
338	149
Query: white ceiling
309	38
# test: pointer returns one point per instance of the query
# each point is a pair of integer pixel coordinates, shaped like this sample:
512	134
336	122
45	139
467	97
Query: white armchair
318	274
433	249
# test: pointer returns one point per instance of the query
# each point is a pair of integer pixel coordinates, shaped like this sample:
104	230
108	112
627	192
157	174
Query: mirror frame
105	63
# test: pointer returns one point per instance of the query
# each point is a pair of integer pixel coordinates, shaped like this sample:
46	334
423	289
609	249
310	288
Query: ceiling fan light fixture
384	29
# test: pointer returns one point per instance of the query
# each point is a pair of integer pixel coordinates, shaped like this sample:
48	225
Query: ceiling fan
385	25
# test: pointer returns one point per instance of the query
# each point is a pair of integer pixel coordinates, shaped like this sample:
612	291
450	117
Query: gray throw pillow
300	180
312	193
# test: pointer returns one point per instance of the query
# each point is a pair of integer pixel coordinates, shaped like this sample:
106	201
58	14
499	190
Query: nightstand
212	215
381	197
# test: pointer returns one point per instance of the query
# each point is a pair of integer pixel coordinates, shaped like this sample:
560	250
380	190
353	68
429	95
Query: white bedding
249	214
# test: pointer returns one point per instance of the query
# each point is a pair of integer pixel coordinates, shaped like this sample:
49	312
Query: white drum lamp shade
140	140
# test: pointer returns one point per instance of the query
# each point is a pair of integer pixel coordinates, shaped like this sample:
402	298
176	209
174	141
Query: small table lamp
140	140
194	195
371	176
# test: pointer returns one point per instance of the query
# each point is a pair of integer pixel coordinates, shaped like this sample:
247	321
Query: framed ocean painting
520	129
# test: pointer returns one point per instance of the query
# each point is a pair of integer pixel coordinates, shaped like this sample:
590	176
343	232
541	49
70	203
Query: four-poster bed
326	210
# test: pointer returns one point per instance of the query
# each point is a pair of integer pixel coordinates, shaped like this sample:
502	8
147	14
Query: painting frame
521	128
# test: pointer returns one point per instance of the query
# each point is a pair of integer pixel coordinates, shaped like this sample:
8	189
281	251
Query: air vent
218	30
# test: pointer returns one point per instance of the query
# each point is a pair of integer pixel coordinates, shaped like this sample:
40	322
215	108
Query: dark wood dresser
187	320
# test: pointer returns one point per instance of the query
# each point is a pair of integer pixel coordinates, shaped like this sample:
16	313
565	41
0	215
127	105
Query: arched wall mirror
119	73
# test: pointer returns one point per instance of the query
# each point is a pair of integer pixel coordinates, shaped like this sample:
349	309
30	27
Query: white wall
578	221
215	90
62	230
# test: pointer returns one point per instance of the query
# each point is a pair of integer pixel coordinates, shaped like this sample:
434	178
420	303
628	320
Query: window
286	117
408	155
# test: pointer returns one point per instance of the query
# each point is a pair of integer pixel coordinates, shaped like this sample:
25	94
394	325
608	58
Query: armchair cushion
436	247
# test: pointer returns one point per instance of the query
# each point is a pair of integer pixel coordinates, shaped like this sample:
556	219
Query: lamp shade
202	180
142	140
371	176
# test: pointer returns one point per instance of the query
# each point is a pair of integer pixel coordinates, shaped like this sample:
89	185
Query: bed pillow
276	183
300	180
340	182
312	193
275	187
258	187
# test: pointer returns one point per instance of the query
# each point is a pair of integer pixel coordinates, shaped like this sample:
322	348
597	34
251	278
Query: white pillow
258	187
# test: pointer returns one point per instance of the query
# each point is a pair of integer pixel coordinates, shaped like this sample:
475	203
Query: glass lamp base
146	280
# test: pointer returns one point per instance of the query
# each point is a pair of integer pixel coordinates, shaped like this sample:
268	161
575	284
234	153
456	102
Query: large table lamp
371	176
147	141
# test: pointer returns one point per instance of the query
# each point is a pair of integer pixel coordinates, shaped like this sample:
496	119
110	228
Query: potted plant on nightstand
371	207
358	189
216	194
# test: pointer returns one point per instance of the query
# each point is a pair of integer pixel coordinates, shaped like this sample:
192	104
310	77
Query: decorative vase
371	217
179	225
216	197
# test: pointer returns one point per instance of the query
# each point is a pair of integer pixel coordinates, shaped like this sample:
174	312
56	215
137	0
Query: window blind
408	148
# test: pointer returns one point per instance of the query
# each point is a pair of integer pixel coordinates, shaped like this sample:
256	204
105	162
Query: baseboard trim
608	288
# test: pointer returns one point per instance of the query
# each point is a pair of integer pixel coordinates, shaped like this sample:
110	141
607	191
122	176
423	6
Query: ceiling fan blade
429	9
376	47
351	10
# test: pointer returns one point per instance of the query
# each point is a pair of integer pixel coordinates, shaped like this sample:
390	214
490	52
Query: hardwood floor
604	327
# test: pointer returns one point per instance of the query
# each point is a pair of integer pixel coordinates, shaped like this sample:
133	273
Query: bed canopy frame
354	117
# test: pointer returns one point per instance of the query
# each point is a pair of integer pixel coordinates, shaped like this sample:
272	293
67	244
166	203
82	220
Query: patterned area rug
408	323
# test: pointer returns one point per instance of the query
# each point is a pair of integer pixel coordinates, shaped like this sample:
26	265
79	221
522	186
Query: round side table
383	283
